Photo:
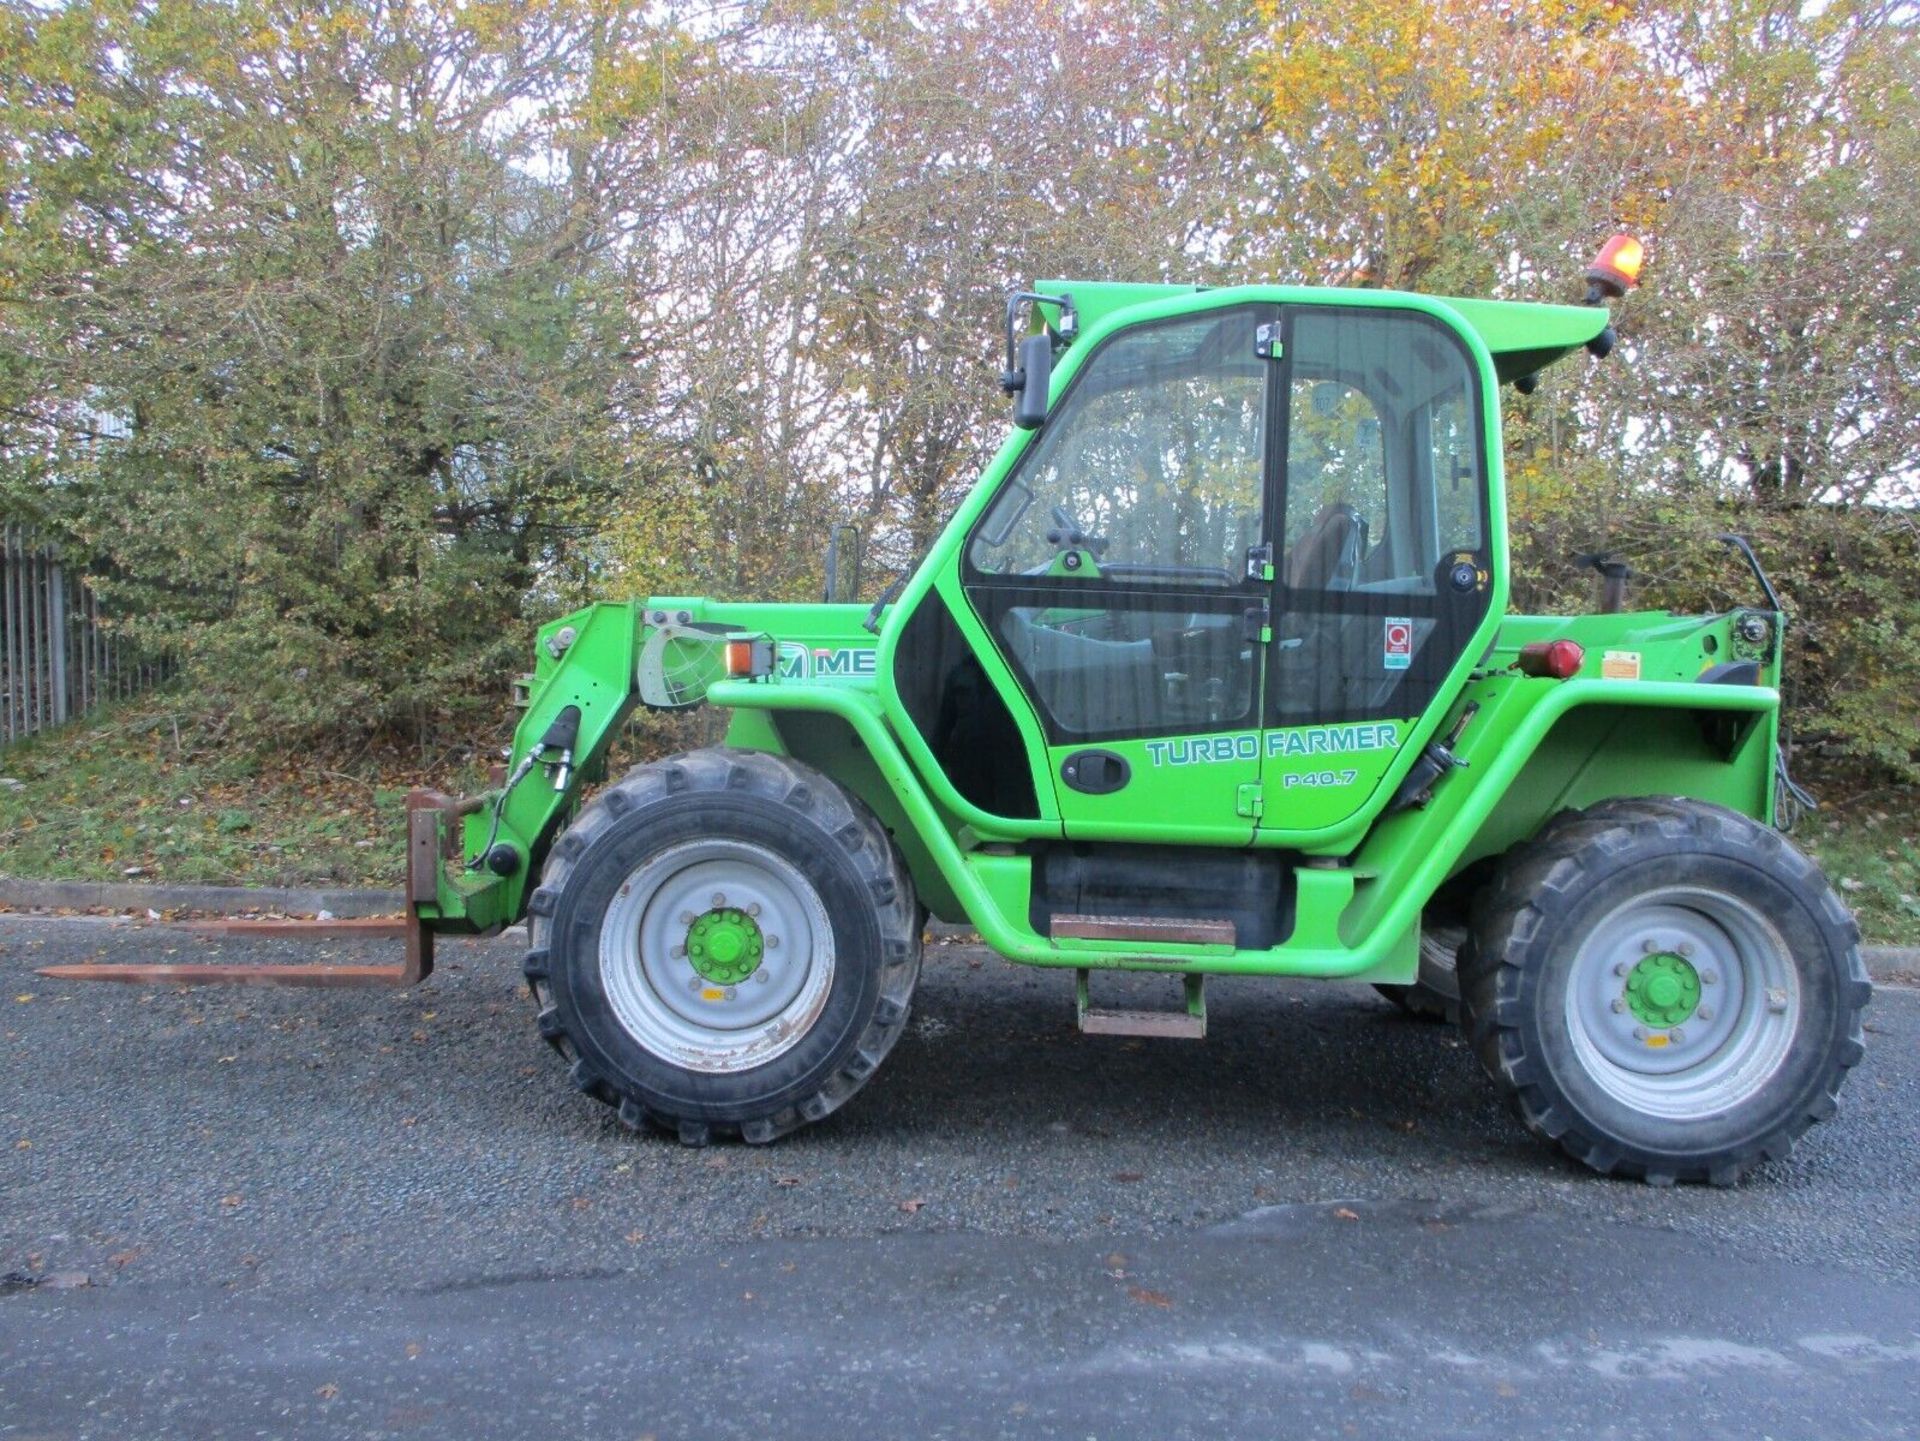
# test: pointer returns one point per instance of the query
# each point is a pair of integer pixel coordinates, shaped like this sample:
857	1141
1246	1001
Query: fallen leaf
1342	1213
326	1392
1128	1177
786	1180
912	1204
634	1238
1149	1298
230	1201
414	1348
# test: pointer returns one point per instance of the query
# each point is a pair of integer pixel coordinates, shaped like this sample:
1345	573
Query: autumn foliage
349	339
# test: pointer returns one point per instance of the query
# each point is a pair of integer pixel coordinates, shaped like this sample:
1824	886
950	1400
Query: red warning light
1558	659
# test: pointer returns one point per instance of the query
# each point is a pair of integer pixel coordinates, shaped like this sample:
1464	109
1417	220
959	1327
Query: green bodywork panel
1637	720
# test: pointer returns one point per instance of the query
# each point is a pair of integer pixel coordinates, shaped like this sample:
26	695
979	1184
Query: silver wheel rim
667	1006
1736	1038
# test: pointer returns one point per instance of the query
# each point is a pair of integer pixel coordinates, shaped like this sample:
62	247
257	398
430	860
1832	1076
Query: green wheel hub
1663	990
725	946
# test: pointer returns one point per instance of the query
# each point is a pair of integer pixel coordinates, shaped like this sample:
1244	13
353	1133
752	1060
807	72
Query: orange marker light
749	659
1616	269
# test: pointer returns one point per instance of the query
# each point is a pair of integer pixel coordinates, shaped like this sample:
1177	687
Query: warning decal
1398	651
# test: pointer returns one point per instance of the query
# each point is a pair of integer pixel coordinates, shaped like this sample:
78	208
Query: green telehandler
1211	673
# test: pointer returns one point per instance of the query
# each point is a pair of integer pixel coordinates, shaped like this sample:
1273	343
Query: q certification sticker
1397	653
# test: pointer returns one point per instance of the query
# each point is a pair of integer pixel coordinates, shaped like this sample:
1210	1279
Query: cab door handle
1096	772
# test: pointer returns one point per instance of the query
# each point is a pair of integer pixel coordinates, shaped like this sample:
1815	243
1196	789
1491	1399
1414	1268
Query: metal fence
56	659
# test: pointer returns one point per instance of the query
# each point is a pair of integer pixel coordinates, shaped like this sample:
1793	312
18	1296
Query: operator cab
1241	520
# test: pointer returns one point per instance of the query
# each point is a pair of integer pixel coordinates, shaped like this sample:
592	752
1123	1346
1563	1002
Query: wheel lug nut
761	977
1686	948
1708	978
695	984
1705	1013
1618	1005
1621	969
1639	1033
719	898
772	941
1776	1000
729	992
753	908
1650	945
1676	1035
687	918
678	952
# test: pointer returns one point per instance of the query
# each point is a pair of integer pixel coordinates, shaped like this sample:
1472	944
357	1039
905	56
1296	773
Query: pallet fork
425	851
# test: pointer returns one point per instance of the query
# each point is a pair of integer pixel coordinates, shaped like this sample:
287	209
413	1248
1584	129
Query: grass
1871	849
131	795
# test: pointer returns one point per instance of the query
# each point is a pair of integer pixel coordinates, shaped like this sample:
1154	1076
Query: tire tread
840	816
1509	914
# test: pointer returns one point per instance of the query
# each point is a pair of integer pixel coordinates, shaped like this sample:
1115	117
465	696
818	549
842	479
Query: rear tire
723	943
1664	989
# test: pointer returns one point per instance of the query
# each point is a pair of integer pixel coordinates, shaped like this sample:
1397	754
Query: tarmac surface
241	1213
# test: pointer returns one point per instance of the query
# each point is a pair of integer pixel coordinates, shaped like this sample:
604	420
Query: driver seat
1332	547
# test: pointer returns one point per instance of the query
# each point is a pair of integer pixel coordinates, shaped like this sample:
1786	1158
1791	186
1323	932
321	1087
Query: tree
341	272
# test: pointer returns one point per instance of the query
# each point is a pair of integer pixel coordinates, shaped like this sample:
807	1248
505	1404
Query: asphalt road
386	1214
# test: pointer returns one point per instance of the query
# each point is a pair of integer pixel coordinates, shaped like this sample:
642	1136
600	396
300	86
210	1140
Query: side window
1152	471
1453	456
1111	568
1383	473
1383	571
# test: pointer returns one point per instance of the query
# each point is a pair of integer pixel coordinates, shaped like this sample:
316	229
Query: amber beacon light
1615	270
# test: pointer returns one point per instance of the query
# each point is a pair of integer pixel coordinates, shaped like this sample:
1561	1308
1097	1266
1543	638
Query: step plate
1186	929
1166	1025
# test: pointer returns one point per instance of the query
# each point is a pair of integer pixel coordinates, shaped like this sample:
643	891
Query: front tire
1664	989
723	943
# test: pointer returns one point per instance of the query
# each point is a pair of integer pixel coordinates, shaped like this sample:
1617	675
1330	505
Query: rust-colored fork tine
416	968
219	975
424	808
366	928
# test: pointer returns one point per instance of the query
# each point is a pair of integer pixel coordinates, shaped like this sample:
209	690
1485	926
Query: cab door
1113	575
1383	569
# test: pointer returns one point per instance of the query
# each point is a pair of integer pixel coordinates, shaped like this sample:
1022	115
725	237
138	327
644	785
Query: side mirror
1036	371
